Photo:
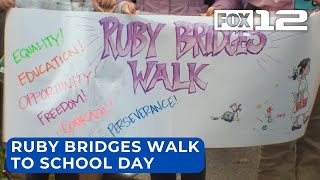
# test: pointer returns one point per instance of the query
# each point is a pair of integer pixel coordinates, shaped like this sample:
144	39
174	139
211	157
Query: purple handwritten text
136	31
62	108
161	74
201	37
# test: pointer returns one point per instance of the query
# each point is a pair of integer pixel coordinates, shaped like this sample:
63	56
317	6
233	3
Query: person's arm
228	4
104	5
118	6
273	4
222	5
6	4
126	7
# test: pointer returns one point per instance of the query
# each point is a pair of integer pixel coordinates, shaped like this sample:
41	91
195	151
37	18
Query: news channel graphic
105	155
260	20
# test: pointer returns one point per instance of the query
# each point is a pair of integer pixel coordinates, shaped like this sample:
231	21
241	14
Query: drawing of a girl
301	98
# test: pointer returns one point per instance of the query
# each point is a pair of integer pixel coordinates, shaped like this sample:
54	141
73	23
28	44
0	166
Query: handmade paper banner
82	74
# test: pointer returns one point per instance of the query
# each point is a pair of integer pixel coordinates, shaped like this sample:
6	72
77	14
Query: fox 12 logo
286	20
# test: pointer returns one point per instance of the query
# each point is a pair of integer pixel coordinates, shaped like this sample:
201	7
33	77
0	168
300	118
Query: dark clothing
185	176
197	176
46	176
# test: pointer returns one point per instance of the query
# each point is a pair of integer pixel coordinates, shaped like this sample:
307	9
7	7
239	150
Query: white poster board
81	74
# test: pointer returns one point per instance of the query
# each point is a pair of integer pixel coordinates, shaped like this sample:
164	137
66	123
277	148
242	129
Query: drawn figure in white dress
301	95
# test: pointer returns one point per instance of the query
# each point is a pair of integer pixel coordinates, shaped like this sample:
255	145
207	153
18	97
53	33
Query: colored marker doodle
62	108
141	113
230	116
50	66
281	115
44	94
69	126
267	112
264	127
49	41
259	106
